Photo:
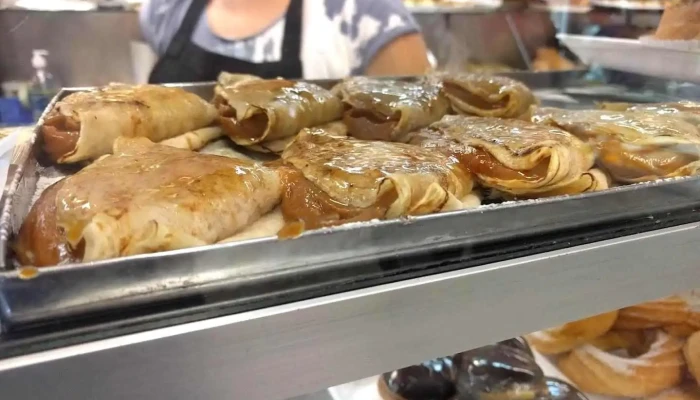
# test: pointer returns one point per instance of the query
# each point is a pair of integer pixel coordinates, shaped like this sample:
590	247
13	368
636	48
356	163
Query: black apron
184	61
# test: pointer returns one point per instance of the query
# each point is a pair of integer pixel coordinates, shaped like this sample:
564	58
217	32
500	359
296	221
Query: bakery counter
301	347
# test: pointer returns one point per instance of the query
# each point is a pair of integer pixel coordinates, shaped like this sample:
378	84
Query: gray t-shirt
339	37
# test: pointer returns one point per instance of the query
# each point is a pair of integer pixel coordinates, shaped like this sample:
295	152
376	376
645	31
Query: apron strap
184	34
291	43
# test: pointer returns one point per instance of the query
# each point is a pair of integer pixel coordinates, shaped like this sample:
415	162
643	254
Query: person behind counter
311	39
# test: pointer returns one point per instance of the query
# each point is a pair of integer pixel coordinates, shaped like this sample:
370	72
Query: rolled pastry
84	125
40	242
599	372
633	146
227	79
382	109
513	156
686	391
654	314
487	95
148	197
691	352
571	335
332	180
195	140
687	110
259	111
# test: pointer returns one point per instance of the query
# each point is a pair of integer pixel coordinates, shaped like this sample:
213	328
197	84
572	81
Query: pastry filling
60	135
481	163
252	128
370	125
475	100
41	242
635	163
305	206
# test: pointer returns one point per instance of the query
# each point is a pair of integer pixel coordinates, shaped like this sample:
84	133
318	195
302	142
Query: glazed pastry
593	370
511	156
686	328
691	352
386	109
505	370
40	243
499	372
682	392
148	197
487	95
518	343
560	390
195	140
431	380
633	146
84	125
634	342
680	21
687	110
571	335
332	180
653	314
259	111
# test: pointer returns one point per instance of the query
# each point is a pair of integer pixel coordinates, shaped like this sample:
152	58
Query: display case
251	320
323	314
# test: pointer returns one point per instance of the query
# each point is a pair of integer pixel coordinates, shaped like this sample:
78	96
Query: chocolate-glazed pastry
499	372
518	343
560	390
431	380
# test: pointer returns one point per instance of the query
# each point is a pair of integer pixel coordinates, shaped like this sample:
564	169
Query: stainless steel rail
301	347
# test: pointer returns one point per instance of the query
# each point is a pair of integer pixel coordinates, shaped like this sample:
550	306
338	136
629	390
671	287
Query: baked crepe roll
633	146
148	197
40	242
487	95
386	109
332	180
512	156
687	110
259	111
84	125
195	140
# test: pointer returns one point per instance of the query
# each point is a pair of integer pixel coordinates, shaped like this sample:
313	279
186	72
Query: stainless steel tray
248	272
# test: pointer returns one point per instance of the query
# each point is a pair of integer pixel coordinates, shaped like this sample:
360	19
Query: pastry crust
633	146
691	352
512	156
487	95
84	125
571	335
682	392
668	311
386	109
595	371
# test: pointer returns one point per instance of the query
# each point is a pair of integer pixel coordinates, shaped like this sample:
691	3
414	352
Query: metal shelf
302	347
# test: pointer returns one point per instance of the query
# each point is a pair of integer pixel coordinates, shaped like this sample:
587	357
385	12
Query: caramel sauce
27	273
305	206
480	162
368	125
474	100
632	164
249	128
41	242
60	135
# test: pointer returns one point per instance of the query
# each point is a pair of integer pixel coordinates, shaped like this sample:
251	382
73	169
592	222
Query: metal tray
244	273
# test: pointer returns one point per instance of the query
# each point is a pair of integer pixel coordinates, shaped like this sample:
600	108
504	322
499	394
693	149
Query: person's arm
405	55
385	39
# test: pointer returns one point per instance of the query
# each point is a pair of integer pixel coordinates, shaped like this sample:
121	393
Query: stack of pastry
650	350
